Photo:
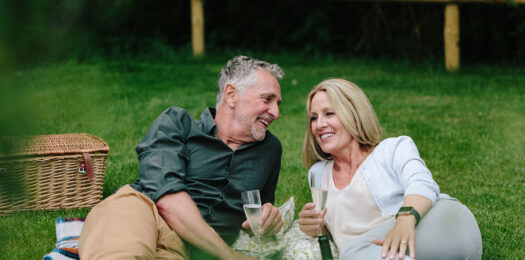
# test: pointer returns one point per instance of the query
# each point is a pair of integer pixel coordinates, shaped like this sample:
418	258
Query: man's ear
231	94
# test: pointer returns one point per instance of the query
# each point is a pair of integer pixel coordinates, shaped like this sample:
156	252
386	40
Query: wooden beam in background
451	37
450	32
197	28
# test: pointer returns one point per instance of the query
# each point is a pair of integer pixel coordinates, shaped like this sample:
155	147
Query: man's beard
258	133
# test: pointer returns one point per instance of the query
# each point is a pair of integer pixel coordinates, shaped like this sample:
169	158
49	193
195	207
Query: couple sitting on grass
186	203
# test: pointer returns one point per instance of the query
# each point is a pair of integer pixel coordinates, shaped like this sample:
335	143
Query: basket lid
57	144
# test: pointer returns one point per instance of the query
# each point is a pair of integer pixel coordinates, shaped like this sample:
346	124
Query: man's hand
271	220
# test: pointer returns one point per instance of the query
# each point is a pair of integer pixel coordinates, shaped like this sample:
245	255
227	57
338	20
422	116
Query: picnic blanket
67	231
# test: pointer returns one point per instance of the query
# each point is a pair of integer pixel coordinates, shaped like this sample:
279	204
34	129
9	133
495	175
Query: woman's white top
393	170
351	211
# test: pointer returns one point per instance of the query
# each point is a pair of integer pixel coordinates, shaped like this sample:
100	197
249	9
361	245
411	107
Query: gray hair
239	71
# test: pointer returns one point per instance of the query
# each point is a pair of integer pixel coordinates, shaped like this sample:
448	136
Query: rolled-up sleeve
412	172
163	155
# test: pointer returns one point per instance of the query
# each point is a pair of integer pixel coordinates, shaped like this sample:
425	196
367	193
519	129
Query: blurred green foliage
41	31
15	119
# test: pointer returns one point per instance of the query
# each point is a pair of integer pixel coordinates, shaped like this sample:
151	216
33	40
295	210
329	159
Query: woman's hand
402	235
310	221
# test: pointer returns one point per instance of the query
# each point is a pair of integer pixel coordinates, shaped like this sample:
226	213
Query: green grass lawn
468	126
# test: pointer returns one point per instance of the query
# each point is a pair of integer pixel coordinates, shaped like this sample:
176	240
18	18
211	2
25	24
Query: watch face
405	210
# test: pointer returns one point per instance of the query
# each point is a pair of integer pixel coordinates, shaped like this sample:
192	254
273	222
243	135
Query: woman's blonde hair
353	109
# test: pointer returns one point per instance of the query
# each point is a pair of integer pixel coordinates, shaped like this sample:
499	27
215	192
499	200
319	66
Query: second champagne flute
319	195
319	190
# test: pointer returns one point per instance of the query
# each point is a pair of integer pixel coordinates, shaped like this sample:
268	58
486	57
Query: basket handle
89	166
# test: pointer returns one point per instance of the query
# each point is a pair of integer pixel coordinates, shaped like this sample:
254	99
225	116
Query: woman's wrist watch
409	211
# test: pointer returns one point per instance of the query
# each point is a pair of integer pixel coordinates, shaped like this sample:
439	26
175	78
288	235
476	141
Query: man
191	174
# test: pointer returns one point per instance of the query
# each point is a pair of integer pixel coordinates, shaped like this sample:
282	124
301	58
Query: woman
382	200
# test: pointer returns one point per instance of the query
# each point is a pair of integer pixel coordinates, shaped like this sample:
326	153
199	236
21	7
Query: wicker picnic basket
52	172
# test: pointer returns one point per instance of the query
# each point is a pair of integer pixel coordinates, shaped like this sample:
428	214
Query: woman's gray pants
447	231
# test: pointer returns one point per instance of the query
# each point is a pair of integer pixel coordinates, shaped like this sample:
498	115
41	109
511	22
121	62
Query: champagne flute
251	201
319	195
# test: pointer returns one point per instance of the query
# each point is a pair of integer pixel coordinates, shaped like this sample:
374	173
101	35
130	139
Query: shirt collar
207	121
208	125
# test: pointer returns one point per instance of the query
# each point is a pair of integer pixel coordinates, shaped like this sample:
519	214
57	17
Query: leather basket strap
89	166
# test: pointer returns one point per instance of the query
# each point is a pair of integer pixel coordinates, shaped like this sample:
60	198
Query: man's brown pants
127	225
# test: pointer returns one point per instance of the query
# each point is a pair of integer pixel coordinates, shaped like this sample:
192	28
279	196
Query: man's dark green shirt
182	154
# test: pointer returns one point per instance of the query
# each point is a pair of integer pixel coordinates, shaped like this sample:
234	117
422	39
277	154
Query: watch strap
409	210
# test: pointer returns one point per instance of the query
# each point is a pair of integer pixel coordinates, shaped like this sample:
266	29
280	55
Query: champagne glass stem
259	246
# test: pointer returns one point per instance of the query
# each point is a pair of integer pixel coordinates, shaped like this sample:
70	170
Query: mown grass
468	127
